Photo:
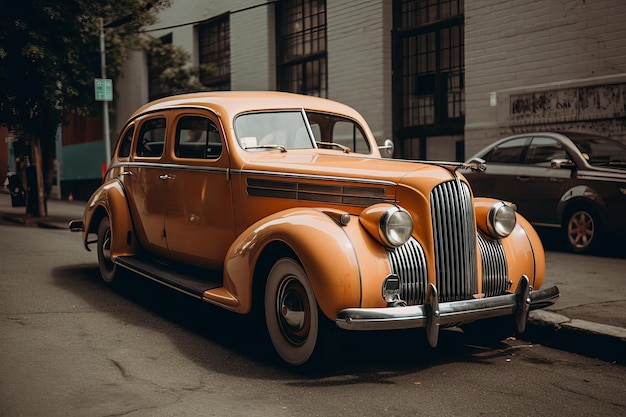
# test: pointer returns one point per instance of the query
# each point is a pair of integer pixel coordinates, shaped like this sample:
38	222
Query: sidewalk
595	328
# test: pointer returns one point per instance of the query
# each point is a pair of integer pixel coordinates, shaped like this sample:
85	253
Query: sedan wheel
108	269
291	312
582	230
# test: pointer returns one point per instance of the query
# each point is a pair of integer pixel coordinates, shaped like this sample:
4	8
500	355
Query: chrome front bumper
433	314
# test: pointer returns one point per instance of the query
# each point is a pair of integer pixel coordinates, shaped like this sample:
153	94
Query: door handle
522	179
167	177
126	173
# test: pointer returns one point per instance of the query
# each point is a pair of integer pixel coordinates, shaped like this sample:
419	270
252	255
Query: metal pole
105	103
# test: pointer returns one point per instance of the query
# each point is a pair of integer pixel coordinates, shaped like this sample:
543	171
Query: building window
429	97
301	45
155	66
214	44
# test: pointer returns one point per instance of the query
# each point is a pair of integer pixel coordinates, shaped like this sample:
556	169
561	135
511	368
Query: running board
193	282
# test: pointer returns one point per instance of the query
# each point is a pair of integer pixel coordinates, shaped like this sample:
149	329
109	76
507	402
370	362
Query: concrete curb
578	336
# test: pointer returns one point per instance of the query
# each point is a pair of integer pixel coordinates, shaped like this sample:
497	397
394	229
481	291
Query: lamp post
105	103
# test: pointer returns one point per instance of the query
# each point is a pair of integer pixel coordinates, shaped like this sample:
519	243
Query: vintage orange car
282	205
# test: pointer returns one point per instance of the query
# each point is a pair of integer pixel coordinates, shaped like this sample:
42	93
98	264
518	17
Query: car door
539	187
144	186
199	221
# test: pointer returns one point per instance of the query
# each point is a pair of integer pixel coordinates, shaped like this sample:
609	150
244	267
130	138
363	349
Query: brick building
441	77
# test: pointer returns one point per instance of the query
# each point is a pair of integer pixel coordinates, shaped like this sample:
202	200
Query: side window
543	150
340	130
349	134
197	137
151	138
509	152
127	140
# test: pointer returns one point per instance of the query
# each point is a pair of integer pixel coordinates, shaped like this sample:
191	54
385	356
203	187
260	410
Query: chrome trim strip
169	166
313	177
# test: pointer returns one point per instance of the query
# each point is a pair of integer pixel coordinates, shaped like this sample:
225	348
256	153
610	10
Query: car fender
580	193
337	259
110	200
525	254
523	249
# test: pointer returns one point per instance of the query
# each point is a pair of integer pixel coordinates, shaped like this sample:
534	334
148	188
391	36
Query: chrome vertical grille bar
454	240
495	269
409	263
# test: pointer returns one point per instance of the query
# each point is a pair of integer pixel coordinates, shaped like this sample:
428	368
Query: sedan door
199	221
538	186
143	184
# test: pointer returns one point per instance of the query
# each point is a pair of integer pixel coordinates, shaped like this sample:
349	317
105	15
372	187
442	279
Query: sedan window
599	150
151	138
127	139
269	130
341	130
542	151
509	152
197	137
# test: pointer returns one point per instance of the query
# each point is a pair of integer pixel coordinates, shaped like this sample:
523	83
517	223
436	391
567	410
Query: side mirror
387	148
561	163
475	164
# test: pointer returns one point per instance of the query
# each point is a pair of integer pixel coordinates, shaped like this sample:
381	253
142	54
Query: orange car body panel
220	213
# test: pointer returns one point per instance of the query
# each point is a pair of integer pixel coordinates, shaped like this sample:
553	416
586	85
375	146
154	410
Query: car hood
333	166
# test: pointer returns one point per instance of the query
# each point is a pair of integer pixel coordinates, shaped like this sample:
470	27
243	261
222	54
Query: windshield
599	150
273	130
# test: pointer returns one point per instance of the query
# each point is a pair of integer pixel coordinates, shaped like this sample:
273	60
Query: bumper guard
434	314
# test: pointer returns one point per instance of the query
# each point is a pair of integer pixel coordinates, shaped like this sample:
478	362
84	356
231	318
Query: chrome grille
454	240
495	270
408	262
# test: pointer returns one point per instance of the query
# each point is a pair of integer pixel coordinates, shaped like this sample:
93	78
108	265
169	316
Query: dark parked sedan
574	181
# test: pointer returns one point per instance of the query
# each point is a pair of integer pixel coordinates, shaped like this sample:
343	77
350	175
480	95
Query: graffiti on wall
569	104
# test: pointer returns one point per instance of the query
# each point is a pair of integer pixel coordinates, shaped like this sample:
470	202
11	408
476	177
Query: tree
49	58
168	64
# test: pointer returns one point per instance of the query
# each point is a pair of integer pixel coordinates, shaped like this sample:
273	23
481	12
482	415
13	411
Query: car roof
234	102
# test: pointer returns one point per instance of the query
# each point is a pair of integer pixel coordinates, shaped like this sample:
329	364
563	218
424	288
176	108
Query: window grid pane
301	43
214	46
432	61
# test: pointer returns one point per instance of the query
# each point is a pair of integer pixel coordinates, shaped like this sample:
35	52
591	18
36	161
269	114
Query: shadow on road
230	343
553	240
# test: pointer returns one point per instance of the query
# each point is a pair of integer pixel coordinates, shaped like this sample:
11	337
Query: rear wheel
582	229
292	316
108	269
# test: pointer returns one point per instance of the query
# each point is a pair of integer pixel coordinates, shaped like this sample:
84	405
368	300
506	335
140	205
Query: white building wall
359	59
252	46
514	47
359	53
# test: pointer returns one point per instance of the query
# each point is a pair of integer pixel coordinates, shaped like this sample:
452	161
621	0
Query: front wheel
582	230
291	312
108	269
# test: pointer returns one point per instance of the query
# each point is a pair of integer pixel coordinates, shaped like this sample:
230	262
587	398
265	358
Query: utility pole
105	103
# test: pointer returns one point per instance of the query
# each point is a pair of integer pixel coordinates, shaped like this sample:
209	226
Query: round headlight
501	220
395	227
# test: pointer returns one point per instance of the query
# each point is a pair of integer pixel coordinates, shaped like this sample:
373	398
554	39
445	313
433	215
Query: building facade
442	78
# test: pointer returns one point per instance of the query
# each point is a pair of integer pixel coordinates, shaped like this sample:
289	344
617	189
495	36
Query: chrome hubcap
292	308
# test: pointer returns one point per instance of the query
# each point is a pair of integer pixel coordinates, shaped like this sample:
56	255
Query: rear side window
509	152
151	138
197	137
127	140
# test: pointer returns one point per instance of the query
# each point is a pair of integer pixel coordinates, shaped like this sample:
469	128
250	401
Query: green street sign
104	89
